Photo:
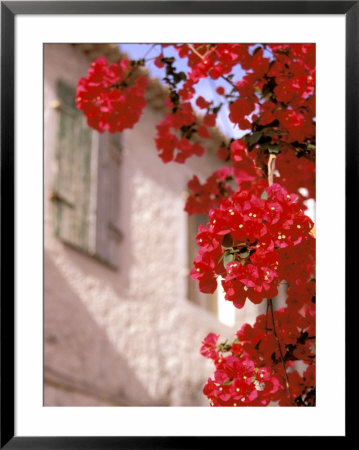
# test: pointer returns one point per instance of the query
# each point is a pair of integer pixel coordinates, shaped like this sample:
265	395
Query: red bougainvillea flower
158	61
173	139
210	120
209	346
249	281
245	242
108	97
257	238
238	112
253	361
205	196
237	380
202	103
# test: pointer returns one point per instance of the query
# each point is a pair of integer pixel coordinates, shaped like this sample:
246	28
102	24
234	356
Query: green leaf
252	139
168	60
269	132
244	253
176	78
229	257
228	382
266	90
264	195
282	51
216	109
273	149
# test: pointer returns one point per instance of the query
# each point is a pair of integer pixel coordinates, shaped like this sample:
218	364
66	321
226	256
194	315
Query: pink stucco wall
125	337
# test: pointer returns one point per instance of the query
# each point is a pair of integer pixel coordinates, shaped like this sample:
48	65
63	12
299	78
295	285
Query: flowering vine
258	234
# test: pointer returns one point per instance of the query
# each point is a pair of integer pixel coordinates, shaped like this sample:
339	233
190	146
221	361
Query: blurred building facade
123	325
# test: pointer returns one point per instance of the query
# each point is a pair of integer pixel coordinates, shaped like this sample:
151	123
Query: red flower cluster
245	170
257	236
295	332
279	88
251	368
107	99
237	380
212	60
205	196
304	166
243	175
171	147
274	101
243	243
239	110
293	328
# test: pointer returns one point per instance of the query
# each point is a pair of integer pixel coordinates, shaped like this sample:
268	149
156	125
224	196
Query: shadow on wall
81	366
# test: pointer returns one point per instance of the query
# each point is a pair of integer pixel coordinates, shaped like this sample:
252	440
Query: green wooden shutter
86	187
71	192
108	234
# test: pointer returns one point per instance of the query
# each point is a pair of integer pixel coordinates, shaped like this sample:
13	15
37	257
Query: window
86	183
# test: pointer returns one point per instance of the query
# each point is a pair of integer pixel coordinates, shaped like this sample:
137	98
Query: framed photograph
103	328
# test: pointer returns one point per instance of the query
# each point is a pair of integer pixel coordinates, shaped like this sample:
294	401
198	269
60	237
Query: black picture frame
9	10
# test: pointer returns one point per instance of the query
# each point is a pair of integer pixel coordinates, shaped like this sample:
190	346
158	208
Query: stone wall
128	336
